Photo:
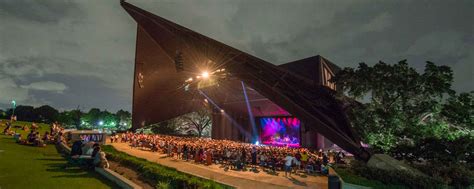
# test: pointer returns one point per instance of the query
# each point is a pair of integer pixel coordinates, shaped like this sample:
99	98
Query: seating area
234	155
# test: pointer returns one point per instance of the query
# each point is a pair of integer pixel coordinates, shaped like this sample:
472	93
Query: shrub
457	175
397	177
163	185
166	177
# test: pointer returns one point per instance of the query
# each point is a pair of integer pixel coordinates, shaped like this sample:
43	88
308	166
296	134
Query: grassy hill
23	166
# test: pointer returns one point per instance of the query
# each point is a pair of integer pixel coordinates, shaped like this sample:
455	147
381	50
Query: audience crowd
82	152
234	155
34	137
229	154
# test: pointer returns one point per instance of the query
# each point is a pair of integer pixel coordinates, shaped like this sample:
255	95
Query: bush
397	177
166	177
457	175
163	185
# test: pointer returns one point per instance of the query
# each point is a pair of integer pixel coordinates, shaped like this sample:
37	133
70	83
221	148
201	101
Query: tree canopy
401	107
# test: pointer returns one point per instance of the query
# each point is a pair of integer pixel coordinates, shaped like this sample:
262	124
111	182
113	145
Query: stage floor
238	179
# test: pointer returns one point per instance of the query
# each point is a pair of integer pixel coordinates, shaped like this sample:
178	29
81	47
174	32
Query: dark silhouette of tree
122	114
3	114
45	114
169	127
76	118
24	113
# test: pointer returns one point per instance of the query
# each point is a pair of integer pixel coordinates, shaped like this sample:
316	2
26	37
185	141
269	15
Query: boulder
385	162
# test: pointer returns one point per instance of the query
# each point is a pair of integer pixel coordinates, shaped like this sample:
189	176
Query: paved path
239	179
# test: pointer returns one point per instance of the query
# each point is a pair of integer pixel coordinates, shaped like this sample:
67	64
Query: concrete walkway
238	179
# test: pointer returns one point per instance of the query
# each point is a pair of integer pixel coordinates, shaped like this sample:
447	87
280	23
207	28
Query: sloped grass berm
159	173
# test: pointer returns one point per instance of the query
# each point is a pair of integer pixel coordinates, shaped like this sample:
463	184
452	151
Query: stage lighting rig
205	74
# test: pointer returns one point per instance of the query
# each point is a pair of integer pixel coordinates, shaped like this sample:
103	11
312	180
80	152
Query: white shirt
288	160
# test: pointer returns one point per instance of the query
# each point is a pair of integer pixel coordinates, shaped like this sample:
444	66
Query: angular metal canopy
159	41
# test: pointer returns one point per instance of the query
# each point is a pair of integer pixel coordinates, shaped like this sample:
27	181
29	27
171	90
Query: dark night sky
80	53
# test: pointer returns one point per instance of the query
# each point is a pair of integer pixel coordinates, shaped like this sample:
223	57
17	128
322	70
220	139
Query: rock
385	162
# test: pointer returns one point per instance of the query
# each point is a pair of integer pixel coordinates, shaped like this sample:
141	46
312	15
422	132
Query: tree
3	114
65	118
45	113
123	115
24	113
197	122
459	109
75	116
404	106
124	120
169	127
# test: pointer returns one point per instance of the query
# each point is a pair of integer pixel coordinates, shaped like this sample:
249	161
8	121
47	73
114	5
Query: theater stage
238	179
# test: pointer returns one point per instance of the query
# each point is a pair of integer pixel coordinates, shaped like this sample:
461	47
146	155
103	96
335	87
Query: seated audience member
31	137
34	126
88	148
17	137
6	131
76	149
96	156
46	137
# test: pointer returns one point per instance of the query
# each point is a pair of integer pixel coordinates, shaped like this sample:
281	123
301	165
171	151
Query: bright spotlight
222	110
205	100
101	123
205	74
257	143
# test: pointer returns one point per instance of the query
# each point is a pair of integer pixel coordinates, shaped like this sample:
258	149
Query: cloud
46	86
9	90
379	23
70	42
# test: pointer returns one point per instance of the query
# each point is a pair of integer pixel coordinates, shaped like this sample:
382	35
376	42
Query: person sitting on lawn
76	149
103	160
7	129
17	137
34	126
46	137
100	159
37	140
31	137
88	148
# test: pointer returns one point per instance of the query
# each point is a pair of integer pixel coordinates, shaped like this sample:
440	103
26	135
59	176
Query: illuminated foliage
401	107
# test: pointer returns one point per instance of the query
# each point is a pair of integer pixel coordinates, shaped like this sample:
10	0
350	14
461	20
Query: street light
13	109
13	106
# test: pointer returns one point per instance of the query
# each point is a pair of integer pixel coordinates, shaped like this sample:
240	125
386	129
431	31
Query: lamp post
13	108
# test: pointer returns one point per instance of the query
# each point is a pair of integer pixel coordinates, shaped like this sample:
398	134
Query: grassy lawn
24	166
41	127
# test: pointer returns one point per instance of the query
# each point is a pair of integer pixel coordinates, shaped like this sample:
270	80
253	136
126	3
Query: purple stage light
280	131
